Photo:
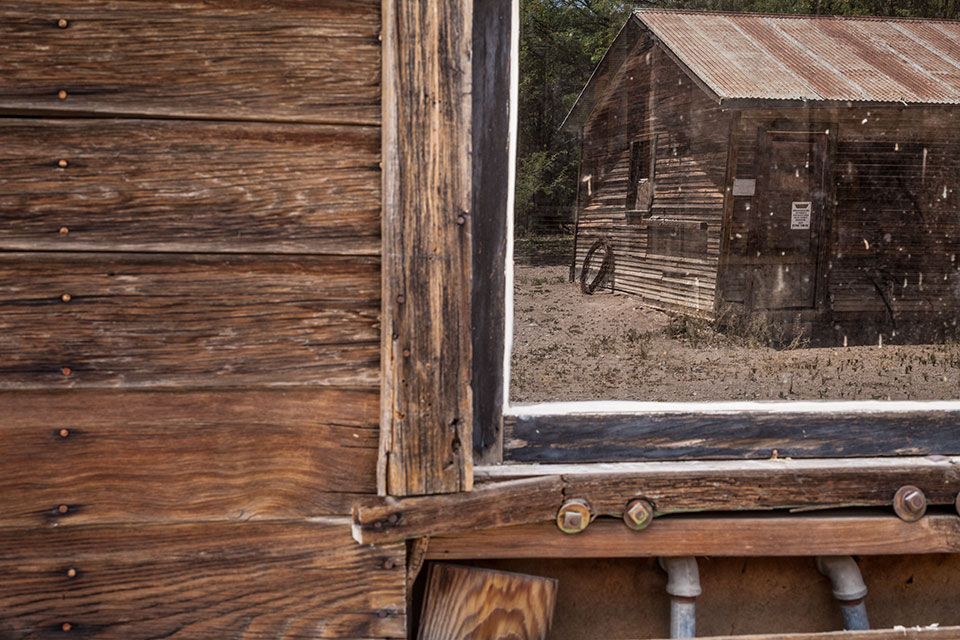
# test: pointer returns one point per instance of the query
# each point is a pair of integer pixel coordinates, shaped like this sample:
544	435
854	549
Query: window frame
747	465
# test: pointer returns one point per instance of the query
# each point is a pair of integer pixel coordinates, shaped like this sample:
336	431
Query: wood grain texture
140	320
466	603
427	406
291	60
243	580
690	436
519	495
491	164
141	185
738	536
388	519
142	456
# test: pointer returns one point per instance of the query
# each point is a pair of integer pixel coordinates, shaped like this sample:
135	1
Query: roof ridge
792	16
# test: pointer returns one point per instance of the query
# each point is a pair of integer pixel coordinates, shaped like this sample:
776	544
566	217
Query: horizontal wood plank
794	535
690	436
521	495
377	520
911	633
140	185
156	456
139	320
292	60
242	580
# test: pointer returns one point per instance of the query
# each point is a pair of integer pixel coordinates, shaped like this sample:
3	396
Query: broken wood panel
387	519
692	436
296	60
795	535
158	456
238	580
470	602
161	185
534	493
427	406
138	320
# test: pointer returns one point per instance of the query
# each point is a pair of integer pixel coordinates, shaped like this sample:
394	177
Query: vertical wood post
426	402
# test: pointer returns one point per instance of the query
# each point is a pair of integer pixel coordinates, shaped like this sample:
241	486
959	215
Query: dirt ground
571	346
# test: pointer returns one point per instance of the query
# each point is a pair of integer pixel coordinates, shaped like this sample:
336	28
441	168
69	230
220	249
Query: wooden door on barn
790	218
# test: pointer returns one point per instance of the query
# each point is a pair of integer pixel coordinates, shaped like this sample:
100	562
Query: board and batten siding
651	97
894	236
190	320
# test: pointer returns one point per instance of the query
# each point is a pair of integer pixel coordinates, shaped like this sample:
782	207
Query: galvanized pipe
683	585
848	588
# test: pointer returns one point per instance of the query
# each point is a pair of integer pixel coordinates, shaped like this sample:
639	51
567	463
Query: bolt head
909	503
638	515
573	516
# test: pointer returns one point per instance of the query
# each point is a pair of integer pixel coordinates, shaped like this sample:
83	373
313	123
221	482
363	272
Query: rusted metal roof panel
814	58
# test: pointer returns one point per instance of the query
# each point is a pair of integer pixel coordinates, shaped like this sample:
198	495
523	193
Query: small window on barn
642	164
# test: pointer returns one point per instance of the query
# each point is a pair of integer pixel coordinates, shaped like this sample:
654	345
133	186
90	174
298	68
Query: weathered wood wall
650	96
894	235
190	320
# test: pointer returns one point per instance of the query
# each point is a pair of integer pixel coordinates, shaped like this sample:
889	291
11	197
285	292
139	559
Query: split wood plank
297	60
162	456
377	520
249	581
427	406
909	633
520	495
162	185
466	603
141	320
687	436
737	536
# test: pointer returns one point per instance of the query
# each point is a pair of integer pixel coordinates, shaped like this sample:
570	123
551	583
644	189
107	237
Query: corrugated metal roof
775	57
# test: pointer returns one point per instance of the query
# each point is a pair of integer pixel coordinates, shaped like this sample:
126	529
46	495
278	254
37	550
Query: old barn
802	167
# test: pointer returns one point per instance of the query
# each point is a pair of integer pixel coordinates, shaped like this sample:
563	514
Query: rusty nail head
62	23
573	516
406	353
66	626
958	503
64	433
62	94
393	518
63	508
71	573
401	299
62	163
461	220
66	297
65	371
388	564
639	514
909	503
64	231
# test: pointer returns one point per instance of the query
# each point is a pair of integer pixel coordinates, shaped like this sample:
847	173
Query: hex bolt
638	514
909	503
574	516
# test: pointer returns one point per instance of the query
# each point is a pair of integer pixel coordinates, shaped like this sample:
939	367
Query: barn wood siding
190	320
651	96
894	238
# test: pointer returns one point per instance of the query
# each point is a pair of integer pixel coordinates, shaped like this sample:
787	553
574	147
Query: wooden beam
913	633
581	438
379	520
764	535
427	405
533	494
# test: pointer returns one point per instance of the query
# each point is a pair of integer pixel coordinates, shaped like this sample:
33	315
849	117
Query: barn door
791	172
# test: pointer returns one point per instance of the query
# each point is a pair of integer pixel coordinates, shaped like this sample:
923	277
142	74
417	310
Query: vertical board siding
894	263
652	98
155	456
135	320
302	60
165	185
427	250
245	581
